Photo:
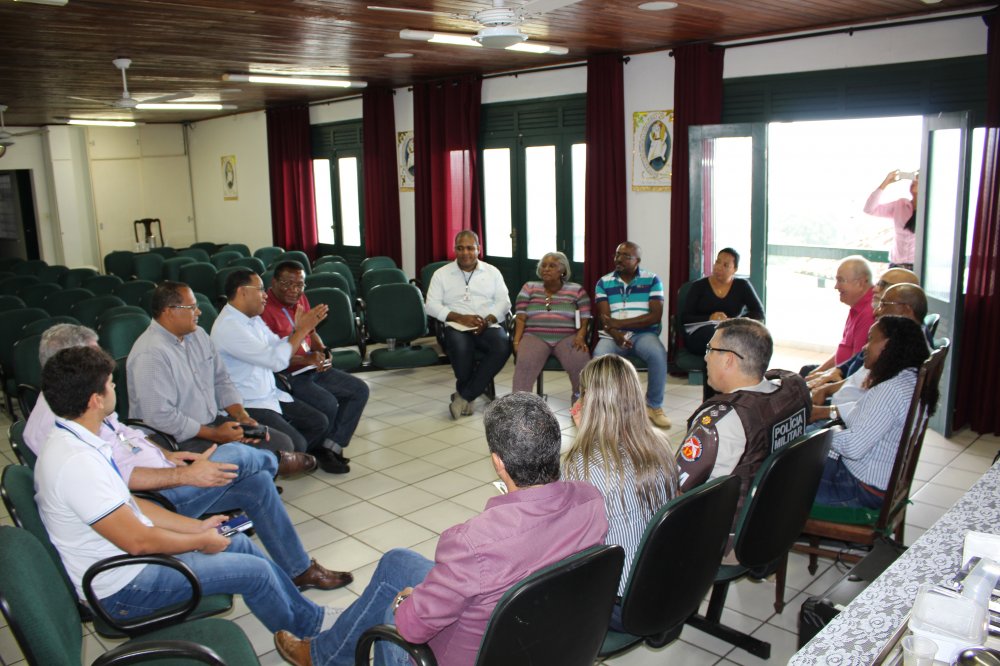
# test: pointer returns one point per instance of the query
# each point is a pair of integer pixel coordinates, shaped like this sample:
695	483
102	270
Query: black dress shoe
341	457
330	462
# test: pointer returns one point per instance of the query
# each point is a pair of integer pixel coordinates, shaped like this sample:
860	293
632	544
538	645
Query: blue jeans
253	491
838	487
339	395
648	347
398	568
471	377
240	569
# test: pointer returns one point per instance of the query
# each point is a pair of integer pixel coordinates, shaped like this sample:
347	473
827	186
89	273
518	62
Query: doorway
18	223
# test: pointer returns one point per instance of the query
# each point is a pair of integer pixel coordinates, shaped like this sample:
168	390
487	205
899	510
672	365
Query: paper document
694	326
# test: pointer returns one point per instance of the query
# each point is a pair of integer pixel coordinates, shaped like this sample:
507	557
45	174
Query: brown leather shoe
321	578
291	463
293	650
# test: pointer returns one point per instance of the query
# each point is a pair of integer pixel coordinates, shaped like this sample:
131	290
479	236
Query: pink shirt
478	561
129	447
900	211
859	320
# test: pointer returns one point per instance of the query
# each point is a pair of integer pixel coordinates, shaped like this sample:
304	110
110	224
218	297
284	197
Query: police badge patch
691	449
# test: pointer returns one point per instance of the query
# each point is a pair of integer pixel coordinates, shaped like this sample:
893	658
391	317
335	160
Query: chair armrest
27	396
420	653
158	620
142	652
158	437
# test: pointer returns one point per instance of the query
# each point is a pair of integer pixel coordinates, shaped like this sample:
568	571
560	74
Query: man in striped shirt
628	304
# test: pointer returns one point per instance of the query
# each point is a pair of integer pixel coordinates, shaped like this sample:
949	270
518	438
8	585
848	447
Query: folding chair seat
119	263
148	266
29	267
334	280
378	276
293	255
197	253
268	254
75	277
397	311
11	331
172	267
34	295
236	247
52	274
208	312
39	326
13	286
344	270
133	291
200	276
165	251
11	302
253	263
62	302
371	263
88	310
102	284
339	329
117	334
222	258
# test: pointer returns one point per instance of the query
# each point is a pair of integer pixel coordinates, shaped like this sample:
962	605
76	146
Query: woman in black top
718	297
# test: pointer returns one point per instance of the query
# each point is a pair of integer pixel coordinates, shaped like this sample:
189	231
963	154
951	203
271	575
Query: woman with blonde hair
618	451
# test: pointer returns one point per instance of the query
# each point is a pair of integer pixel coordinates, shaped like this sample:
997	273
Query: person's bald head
905	300
854	279
889	278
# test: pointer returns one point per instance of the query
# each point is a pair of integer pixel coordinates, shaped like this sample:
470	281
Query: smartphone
239	523
907	175
254	431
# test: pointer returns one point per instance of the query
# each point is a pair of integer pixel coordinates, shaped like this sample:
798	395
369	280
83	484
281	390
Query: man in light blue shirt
252	353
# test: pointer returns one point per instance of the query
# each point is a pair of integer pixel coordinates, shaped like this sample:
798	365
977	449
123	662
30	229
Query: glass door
942	221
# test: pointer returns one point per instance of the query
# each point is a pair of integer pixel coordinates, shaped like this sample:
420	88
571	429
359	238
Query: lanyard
110	460
122	439
305	341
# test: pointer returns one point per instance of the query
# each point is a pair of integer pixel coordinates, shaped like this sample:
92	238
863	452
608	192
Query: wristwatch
398	600
834	413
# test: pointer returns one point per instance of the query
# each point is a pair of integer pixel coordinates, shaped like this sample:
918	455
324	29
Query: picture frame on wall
230	191
652	150
405	160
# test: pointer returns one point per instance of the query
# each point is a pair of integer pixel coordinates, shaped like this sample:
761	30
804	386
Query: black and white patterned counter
857	635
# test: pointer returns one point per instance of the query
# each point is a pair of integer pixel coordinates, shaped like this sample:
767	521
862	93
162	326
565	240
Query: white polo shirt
76	485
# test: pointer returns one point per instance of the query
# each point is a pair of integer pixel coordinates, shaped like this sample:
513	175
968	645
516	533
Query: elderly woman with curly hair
618	451
549	321
863	453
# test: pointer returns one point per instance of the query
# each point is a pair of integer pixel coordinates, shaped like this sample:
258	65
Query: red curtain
697	101
977	402
606	221
446	136
382	236
289	158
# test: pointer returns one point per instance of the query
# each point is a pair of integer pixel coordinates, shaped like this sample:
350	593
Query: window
339	182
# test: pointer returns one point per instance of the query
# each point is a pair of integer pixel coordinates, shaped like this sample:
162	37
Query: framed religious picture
652	143
229	189
404	160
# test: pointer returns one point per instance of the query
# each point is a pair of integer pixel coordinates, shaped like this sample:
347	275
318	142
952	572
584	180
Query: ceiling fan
499	25
160	103
7	138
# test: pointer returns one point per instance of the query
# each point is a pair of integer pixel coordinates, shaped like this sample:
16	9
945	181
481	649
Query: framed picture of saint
404	159
652	148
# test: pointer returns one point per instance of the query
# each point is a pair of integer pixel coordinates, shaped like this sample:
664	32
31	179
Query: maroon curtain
446	139
977	402
697	101
382	236
289	158
604	204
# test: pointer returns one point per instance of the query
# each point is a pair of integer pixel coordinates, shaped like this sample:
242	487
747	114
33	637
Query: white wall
28	152
248	219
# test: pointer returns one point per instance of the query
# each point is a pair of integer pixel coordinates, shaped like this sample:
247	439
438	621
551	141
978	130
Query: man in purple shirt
230	477
447	603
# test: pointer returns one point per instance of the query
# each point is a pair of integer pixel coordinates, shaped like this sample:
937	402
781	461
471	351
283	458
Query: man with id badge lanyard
339	395
471	299
220	479
628	304
90	515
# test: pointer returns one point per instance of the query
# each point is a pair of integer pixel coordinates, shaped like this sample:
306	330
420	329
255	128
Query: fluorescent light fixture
277	70
657	6
54	3
293	81
467	40
101	123
181	106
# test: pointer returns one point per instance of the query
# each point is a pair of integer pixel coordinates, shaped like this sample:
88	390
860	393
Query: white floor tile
397	533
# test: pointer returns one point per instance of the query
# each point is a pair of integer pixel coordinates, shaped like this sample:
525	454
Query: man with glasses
755	412
340	396
470	298
252	353
854	284
628	304
177	383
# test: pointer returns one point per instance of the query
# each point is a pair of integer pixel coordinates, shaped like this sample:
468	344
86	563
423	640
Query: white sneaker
658	418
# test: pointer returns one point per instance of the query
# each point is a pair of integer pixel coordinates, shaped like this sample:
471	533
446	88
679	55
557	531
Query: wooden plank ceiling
48	54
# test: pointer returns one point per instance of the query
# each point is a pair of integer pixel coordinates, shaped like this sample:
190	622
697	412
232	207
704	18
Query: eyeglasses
192	308
288	284
624	257
882	304
709	349
253	286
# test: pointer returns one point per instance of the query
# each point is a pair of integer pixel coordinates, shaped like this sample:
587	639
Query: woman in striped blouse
549	321
619	451
863	453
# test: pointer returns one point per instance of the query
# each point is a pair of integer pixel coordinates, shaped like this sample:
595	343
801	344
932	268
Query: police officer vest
770	420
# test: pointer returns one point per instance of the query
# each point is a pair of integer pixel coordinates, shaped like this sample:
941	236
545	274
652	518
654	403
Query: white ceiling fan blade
165	98
541	6
466	39
426	12
87	99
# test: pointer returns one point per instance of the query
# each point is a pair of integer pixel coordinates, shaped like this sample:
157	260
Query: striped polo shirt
552	318
630	300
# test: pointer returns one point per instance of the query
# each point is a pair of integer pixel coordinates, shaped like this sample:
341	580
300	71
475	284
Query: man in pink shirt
447	603
854	284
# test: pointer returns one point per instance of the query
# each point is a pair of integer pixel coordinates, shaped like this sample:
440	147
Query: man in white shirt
471	299
252	353
90	515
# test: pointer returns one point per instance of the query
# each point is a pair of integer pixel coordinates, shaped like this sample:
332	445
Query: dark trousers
340	396
279	441
305	427
472	376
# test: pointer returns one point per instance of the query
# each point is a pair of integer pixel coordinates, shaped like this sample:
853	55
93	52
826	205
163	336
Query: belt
873	490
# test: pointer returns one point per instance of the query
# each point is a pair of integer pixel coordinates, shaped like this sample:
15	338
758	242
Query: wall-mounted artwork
229	189
404	160
652	143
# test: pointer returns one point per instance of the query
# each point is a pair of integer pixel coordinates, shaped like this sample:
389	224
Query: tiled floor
415	472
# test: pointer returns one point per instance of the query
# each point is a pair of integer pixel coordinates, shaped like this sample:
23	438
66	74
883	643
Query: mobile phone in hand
254	431
239	523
